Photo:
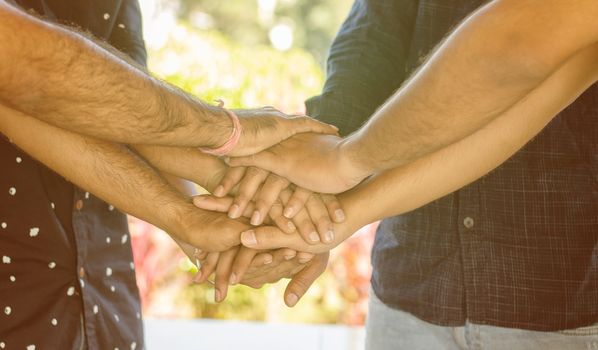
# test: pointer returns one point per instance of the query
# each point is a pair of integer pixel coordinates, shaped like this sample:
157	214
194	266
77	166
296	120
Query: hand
267	126
302	275
264	189
254	269
312	222
312	161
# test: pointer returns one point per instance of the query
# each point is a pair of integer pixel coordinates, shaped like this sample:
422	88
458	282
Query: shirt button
79	204
468	222
81	272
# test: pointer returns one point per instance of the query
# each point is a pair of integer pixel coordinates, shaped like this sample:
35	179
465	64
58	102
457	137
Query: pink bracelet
232	141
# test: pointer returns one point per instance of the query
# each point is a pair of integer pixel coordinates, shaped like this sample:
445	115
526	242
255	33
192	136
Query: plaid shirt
517	248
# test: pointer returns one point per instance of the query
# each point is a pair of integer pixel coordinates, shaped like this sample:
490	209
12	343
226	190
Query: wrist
216	119
351	162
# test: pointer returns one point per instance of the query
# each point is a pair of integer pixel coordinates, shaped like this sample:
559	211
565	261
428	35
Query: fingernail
289	256
197	277
267	259
233	279
288	213
340	215
233	212
292	299
217	295
304	260
328	236
291	226
314	237
256	218
219	191
248	238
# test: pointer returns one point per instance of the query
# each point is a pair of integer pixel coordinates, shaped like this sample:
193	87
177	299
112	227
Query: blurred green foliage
247	22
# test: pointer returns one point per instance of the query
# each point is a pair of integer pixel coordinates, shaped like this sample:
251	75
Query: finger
304	257
231	178
301	282
284	254
213	203
207	267
303	124
223	270
242	262
282	266
221	205
335	211
268	237
261	260
251	182
305	226
284	224
268	194
319	215
296	202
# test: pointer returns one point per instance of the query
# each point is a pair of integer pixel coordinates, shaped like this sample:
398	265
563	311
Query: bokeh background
249	53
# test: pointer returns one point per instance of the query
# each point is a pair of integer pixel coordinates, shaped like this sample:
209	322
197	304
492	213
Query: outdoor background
249	53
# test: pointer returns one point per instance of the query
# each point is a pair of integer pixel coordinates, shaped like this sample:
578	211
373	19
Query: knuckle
253	171
300	284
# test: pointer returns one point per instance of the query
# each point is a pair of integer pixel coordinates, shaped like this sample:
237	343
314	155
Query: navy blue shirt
519	247
67	278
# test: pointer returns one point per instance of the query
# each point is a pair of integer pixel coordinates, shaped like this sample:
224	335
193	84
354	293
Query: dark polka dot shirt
67	278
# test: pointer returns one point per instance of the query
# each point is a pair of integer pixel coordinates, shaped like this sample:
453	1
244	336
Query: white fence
164	334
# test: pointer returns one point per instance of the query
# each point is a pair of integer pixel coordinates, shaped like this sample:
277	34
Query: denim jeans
391	329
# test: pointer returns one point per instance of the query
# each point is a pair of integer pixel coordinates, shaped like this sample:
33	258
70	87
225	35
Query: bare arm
118	176
408	187
68	80
491	61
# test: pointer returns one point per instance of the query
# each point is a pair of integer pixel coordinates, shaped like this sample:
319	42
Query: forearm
108	170
493	59
413	185
67	80
188	163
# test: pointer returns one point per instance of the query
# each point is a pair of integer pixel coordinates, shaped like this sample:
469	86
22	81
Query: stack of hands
258	227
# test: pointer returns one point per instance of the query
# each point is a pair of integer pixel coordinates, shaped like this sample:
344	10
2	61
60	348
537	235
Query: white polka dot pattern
70	291
34	231
12	191
6	259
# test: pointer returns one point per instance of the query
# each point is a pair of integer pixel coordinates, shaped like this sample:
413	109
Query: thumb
303	280
303	124
270	237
